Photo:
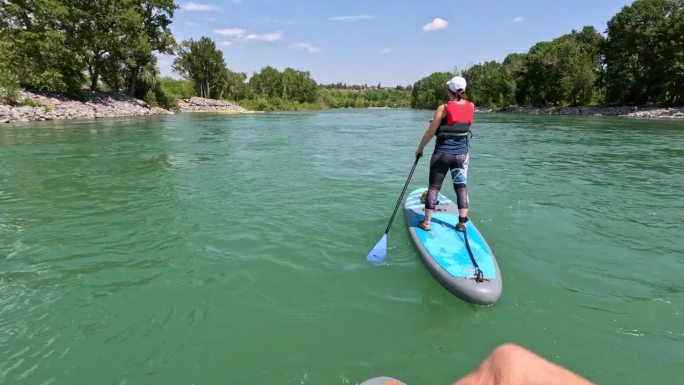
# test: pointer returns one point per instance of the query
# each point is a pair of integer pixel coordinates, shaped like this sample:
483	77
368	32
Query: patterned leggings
440	164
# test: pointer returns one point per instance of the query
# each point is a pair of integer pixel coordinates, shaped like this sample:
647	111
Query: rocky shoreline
45	106
196	104
630	112
34	106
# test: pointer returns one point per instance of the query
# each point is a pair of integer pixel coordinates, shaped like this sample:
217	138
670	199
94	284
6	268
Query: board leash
479	277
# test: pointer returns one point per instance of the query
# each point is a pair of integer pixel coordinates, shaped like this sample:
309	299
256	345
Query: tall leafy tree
54	42
644	53
673	55
564	70
487	84
268	83
514	71
430	91
229	85
40	51
100	34
298	85
201	62
146	26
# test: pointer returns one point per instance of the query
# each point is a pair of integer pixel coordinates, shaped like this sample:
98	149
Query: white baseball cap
456	83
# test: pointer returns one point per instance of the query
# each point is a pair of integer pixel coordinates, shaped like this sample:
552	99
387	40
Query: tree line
72	46
200	62
639	61
64	45
203	65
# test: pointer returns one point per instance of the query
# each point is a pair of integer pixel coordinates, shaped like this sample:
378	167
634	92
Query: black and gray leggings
440	164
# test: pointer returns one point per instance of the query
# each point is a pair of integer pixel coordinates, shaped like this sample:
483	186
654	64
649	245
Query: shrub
30	102
151	98
9	87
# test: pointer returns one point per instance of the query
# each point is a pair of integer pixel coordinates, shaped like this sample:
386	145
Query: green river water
214	249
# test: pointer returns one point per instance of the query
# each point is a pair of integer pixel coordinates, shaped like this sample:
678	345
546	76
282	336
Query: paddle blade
382	381
379	252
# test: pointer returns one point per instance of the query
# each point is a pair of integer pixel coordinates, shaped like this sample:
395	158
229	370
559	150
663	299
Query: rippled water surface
213	249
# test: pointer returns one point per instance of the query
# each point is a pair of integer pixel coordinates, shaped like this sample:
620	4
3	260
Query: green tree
564	70
299	86
268	83
201	62
644	53
236	87
99	33
487	84
40	52
146	28
514	71
430	91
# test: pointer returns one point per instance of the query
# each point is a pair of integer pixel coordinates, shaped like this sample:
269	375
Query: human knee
431	198
508	353
459	176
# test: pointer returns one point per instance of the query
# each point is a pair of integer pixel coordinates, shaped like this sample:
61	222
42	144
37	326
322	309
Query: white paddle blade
382	381
379	252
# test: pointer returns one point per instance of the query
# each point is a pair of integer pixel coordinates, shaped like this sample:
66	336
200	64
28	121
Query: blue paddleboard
444	253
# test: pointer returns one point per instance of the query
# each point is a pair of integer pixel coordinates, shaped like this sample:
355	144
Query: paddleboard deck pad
444	253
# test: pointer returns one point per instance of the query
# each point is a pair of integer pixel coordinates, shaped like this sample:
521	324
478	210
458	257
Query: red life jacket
459	113
459	117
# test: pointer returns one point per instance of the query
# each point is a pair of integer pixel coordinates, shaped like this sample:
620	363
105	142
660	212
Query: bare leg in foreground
513	365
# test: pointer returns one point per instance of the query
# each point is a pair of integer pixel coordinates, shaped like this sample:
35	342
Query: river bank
646	112
34	106
197	104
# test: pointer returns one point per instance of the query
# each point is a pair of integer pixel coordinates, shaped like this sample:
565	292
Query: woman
451	126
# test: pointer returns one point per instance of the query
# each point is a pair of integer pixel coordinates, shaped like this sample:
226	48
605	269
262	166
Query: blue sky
392	42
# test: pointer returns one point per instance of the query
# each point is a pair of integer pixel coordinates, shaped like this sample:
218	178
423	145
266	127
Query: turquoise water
214	249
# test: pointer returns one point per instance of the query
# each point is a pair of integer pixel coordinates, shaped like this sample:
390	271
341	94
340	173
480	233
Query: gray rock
202	104
99	105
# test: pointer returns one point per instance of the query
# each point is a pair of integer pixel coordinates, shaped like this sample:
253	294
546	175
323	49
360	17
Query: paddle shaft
401	196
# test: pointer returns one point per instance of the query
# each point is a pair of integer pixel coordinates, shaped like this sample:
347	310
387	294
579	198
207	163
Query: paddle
382	381
379	252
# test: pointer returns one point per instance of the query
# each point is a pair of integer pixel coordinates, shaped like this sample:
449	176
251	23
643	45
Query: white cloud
435	24
190	6
517	19
351	19
306	46
236	32
241	33
273	36
226	43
